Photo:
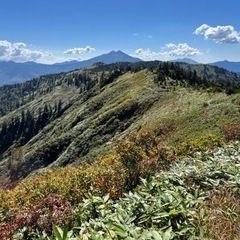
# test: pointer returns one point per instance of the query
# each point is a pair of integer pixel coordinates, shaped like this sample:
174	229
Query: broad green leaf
65	232
119	230
106	198
168	234
156	235
58	232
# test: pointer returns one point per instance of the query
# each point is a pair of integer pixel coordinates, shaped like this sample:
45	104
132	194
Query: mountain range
230	66
12	72
185	60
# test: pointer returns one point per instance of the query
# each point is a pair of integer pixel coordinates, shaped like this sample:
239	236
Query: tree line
20	129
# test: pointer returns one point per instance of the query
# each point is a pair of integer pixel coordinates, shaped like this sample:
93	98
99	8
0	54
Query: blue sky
49	31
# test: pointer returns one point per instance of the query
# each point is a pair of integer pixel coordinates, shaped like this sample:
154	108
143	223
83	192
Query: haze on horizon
57	30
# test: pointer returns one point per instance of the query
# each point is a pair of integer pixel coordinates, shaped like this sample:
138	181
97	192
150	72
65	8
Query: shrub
162	161
143	154
130	156
70	182
201	144
50	210
108	176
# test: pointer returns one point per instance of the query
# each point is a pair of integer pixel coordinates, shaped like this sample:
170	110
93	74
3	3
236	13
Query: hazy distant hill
185	60
12	72
230	66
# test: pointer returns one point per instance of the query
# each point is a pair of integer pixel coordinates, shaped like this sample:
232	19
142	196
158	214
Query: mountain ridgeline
12	72
66	118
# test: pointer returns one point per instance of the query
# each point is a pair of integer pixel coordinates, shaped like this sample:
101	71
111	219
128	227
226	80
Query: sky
50	31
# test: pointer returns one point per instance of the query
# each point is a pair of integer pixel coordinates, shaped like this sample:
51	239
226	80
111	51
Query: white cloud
168	52
219	34
79	50
19	52
202	29
181	50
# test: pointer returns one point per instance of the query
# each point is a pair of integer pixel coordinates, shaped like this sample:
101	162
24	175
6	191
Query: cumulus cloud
181	50
19	52
169	51
79	50
219	34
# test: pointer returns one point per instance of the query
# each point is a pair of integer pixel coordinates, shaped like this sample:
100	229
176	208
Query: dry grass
223	215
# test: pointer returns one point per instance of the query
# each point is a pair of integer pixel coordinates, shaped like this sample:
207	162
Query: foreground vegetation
121	151
142	190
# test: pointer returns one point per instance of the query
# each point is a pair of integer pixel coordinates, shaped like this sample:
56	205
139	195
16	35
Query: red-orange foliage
50	210
108	175
143	154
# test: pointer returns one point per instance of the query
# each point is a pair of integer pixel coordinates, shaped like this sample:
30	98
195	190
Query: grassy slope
130	103
188	113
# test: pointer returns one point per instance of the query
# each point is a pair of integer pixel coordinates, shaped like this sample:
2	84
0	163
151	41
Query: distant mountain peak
12	72
118	51
112	57
121	54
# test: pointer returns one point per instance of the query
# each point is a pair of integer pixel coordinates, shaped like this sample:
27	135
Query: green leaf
120	230
106	198
58	232
168	234
65	232
173	211
156	235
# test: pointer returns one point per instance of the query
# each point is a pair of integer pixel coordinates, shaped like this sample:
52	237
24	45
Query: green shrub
201	144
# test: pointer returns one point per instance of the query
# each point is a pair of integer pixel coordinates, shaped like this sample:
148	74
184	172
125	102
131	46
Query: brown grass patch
223	215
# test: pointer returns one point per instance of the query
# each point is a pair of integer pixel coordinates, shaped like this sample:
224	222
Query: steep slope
66	118
88	121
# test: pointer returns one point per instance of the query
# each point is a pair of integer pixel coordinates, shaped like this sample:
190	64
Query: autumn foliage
48	197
